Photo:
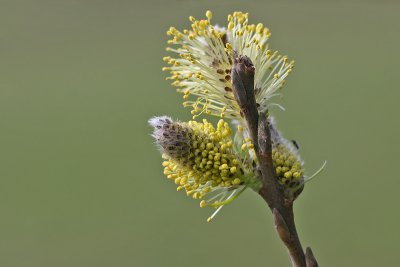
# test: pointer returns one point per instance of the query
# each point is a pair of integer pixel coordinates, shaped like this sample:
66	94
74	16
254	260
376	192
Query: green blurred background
80	179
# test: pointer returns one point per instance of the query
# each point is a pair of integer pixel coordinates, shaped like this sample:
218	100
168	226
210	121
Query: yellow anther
203	204
296	175
236	181
220	123
288	174
259	28
165	163
224	167
183	180
209	14
191	36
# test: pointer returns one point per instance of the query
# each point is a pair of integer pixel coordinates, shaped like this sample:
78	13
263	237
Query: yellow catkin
203	67
199	156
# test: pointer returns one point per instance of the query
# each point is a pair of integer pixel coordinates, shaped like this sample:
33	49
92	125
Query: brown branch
310	260
282	209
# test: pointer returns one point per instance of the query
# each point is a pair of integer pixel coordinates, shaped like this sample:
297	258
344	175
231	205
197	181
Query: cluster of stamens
203	68
288	168
198	157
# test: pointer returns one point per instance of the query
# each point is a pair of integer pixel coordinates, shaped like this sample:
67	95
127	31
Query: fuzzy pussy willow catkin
203	66
201	160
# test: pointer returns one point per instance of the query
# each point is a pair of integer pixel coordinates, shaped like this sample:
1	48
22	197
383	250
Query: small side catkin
287	162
